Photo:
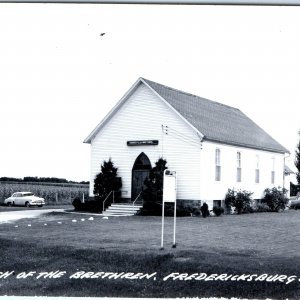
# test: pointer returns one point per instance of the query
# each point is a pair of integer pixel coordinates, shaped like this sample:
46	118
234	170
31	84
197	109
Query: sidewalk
8	216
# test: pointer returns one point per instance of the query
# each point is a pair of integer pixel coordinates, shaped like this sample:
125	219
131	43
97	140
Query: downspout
201	138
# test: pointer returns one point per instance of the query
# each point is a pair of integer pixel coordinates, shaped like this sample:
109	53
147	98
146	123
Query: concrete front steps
122	209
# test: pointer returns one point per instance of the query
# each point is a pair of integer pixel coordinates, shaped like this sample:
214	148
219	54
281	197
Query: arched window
142	162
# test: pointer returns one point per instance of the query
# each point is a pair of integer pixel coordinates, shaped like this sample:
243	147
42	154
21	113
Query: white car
24	198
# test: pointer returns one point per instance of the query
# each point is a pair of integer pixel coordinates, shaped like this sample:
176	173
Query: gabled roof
214	121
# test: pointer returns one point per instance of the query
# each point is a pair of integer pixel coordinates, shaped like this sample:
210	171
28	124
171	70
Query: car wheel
27	204
9	203
40	205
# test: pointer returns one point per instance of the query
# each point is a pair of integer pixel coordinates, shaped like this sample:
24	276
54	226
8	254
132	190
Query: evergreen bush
204	210
152	195
276	198
240	200
105	182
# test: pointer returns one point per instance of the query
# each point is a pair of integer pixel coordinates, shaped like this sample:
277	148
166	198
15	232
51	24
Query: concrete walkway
21	214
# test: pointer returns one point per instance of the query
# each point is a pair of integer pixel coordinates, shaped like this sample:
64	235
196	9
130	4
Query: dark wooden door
138	180
140	171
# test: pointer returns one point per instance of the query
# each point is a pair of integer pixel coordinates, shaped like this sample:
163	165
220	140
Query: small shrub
77	204
89	206
240	200
262	207
204	210
156	210
218	211
295	204
276	198
195	212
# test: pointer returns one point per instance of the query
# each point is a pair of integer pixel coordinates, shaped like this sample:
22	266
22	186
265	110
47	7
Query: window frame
273	171
217	164
257	170
239	166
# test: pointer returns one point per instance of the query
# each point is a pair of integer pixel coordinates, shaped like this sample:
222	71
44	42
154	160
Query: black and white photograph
149	151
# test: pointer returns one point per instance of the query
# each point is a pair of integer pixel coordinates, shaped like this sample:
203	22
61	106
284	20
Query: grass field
265	243
53	193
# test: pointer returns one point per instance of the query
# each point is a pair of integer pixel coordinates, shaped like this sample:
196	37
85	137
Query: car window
14	195
28	194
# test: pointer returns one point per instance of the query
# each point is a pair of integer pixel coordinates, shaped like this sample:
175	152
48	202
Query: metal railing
107	198
133	203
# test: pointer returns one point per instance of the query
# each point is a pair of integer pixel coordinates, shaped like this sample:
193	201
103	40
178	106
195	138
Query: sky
59	75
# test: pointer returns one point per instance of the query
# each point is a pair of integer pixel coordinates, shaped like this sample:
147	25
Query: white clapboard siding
217	189
141	118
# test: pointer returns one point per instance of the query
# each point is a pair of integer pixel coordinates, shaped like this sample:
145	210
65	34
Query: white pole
162	227
174	238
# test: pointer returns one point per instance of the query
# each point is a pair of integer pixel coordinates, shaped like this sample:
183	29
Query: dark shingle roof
218	122
288	170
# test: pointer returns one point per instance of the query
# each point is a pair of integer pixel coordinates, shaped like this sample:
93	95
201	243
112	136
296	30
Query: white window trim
257	169
239	166
273	171
218	164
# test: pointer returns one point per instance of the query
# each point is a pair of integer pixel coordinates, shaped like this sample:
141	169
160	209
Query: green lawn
261	243
5	208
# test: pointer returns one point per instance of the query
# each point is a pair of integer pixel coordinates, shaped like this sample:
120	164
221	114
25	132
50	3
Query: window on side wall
239	167
257	169
218	165
273	171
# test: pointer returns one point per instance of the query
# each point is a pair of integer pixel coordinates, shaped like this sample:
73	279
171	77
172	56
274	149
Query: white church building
211	146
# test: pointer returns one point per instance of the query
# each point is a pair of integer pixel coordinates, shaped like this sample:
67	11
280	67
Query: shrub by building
106	187
276	198
218	211
240	200
152	195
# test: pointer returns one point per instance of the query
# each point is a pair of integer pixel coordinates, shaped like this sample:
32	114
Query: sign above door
142	143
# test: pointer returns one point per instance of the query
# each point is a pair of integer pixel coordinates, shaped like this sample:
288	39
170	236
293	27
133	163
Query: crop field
53	193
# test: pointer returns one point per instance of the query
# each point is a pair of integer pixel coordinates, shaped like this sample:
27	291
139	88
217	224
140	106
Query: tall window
218	165
273	171
238	166
257	169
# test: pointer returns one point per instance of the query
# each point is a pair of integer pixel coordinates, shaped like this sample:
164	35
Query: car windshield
27	194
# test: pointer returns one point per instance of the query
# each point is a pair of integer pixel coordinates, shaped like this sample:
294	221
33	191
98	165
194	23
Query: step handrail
107	198
136	198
